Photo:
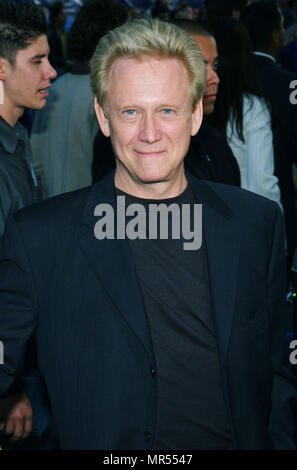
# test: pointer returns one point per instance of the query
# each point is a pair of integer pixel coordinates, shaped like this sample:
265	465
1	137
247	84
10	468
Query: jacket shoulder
62	209
238	200
276	74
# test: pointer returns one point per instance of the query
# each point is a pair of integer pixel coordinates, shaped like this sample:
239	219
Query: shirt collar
9	136
263	54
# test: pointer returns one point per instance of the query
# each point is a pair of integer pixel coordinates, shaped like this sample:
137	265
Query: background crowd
247	104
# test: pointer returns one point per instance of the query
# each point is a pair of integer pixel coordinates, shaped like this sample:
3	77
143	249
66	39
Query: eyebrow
38	56
215	60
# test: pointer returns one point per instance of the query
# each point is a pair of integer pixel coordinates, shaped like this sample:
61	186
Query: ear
3	68
102	119
197	116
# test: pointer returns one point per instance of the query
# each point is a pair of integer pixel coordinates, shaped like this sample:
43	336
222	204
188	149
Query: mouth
210	97
149	154
44	91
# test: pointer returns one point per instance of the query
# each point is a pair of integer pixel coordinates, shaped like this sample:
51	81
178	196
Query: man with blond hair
148	336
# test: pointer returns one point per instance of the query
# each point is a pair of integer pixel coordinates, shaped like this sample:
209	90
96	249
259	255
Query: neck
11	116
159	190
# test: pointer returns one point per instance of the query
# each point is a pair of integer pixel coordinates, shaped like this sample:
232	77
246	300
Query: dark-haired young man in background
25	75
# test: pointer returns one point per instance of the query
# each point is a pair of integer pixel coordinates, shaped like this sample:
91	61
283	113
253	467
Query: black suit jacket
80	298
276	84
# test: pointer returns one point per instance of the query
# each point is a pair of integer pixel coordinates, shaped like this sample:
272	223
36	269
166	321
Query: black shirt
191	412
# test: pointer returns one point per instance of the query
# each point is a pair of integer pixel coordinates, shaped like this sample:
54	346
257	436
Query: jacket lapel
223	257
112	264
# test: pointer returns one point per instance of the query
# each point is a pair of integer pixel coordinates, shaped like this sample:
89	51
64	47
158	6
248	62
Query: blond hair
146	37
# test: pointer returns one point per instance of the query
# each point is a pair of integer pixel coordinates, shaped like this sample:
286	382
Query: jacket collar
266	56
104	192
9	136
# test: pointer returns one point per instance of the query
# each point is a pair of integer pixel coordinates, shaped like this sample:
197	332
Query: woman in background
241	112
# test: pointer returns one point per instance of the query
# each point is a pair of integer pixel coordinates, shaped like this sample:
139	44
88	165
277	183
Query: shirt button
147	434
153	371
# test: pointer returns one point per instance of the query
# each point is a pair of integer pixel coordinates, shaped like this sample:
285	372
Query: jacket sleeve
17	308
284	392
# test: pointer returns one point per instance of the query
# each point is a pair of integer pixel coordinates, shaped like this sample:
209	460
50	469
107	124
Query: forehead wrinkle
150	86
148	59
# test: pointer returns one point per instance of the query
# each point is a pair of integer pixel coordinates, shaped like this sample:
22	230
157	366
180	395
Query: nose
149	131
212	77
49	72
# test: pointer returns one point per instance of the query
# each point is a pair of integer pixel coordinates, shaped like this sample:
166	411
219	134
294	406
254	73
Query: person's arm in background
260	155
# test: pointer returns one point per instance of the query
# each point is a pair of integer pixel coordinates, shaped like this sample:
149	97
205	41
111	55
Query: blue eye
167	111
129	114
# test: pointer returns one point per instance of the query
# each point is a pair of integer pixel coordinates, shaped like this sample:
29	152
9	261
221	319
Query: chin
149	177
152	181
38	105
208	109
42	105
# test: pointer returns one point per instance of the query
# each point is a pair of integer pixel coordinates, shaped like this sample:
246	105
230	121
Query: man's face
150	120
26	82
208	47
